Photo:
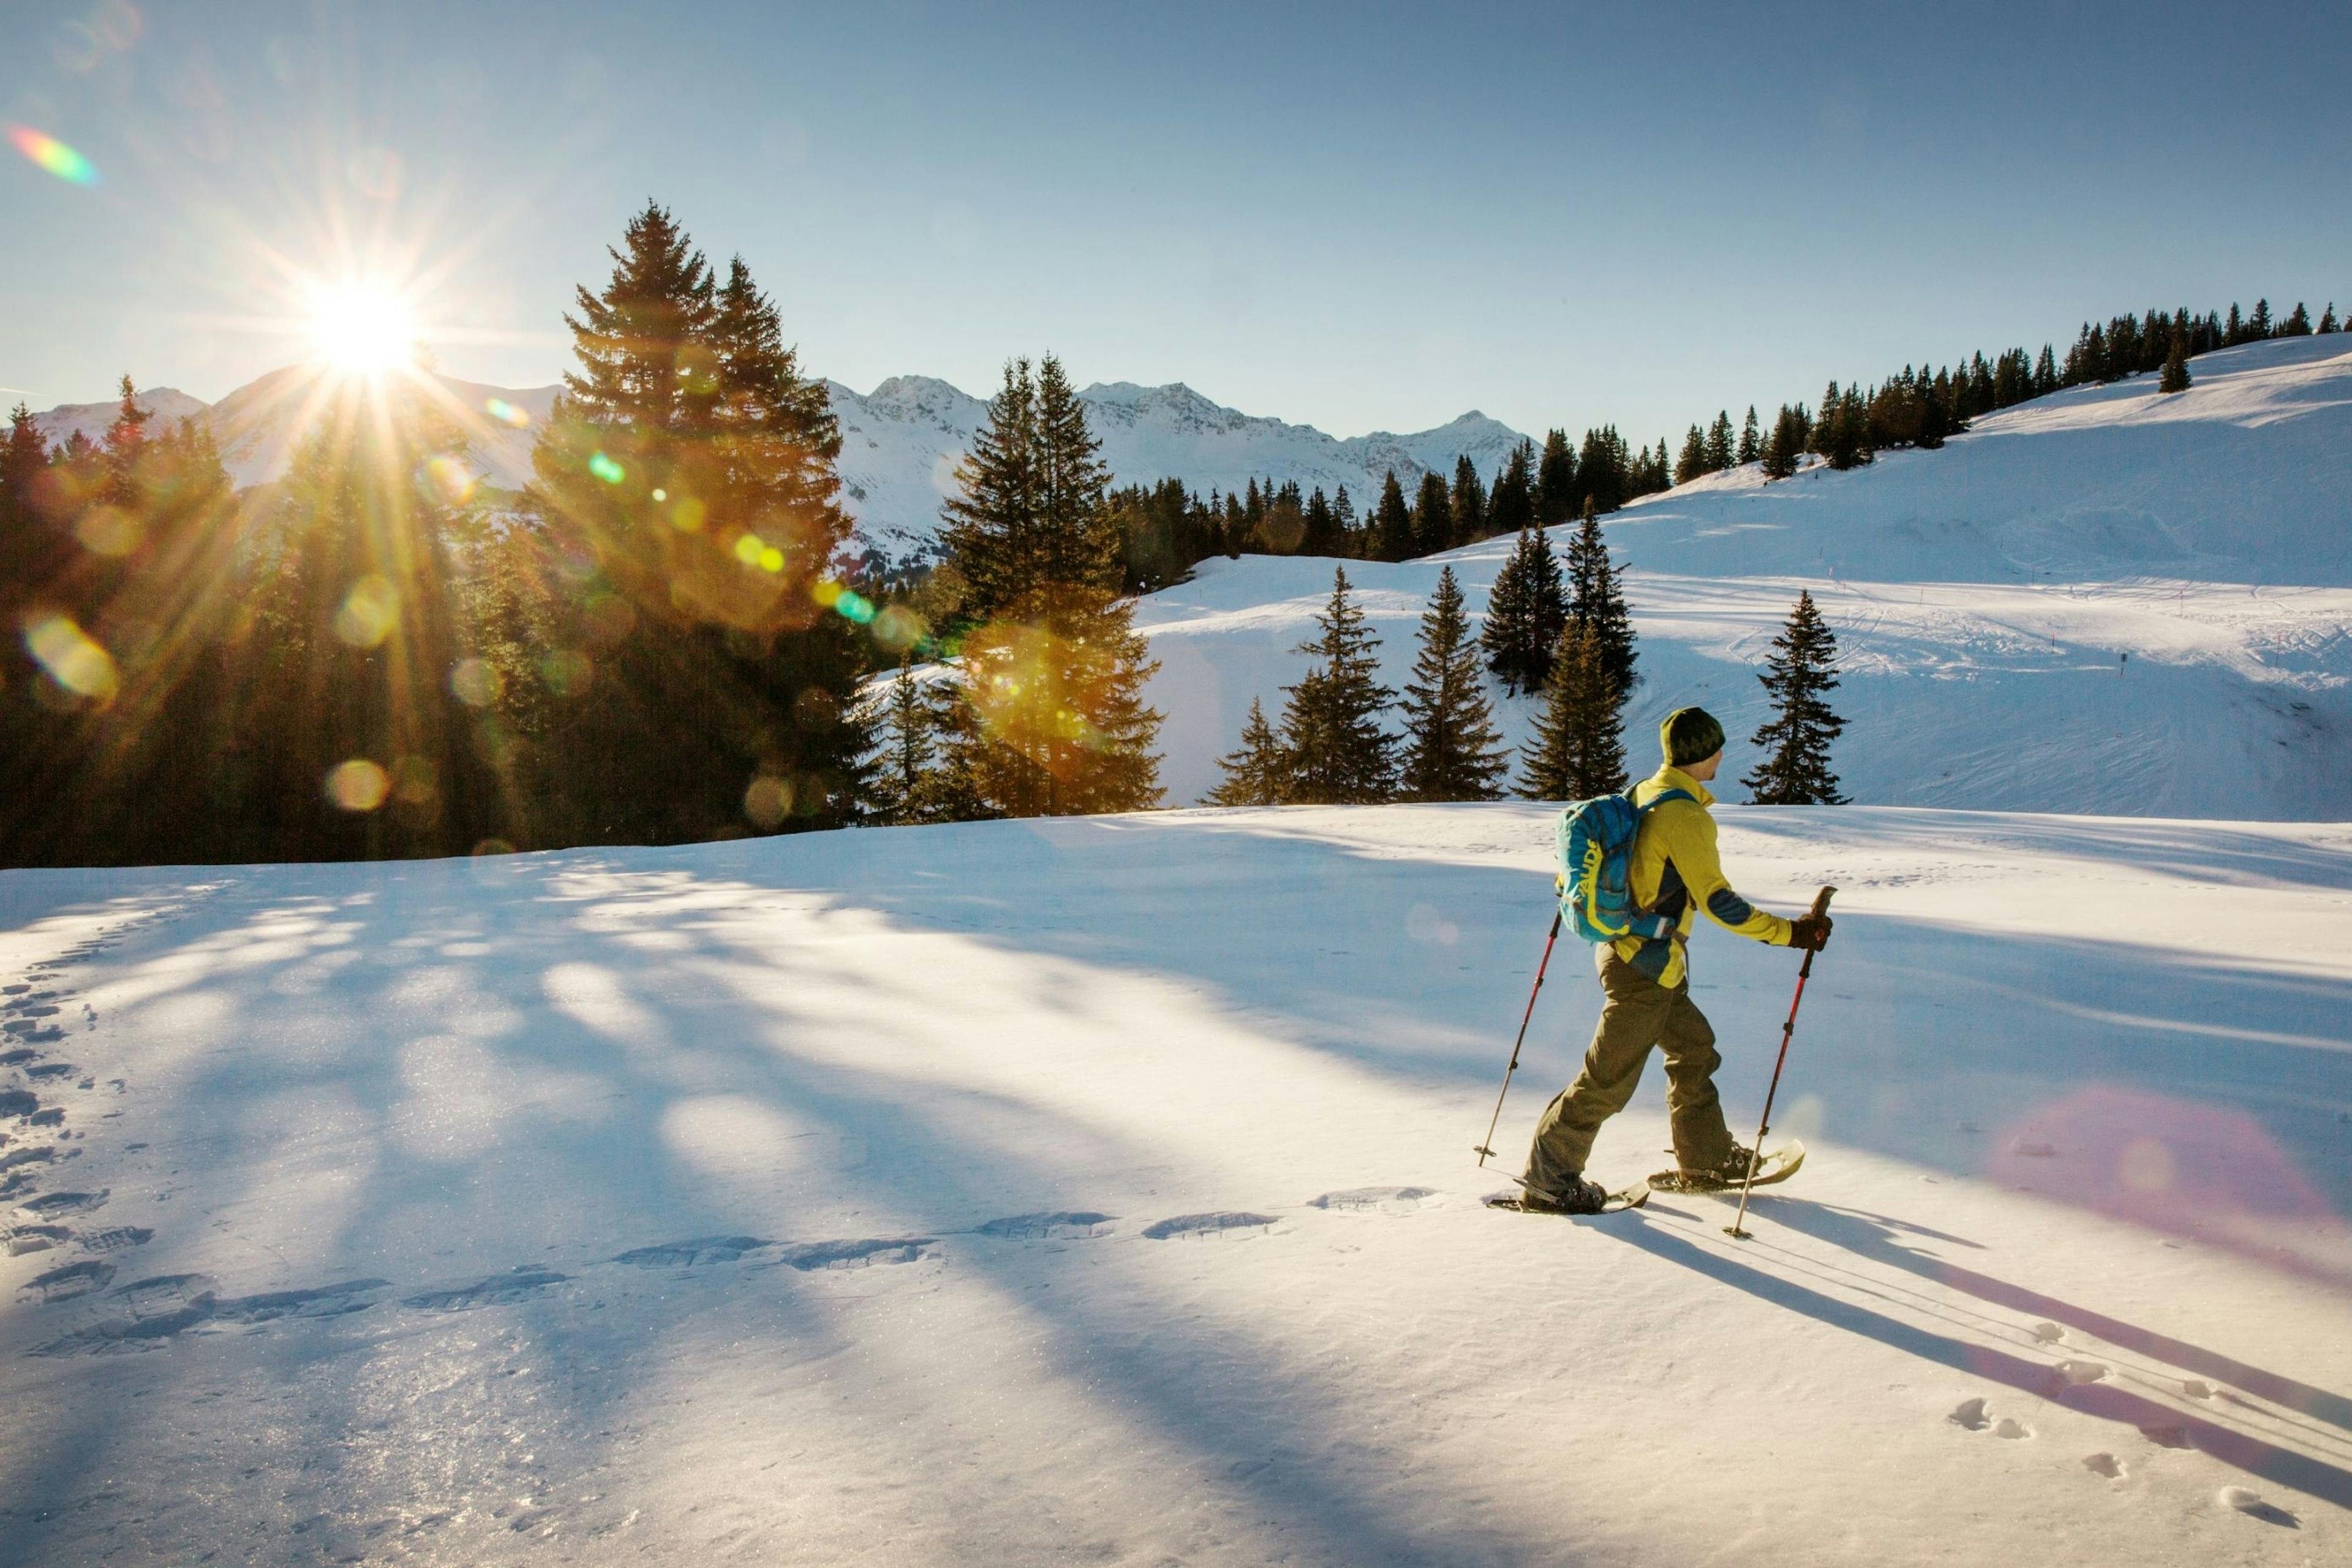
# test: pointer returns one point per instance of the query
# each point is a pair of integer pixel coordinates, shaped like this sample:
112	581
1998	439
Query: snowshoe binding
1578	1198
1732	1172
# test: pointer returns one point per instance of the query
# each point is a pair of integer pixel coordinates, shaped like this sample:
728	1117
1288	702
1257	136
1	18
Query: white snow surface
1101	1190
2104	600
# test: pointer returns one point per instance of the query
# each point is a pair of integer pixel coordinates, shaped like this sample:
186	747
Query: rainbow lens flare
505	413
604	468
53	156
71	658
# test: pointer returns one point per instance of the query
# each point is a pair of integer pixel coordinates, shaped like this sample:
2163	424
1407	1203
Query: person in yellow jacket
1646	980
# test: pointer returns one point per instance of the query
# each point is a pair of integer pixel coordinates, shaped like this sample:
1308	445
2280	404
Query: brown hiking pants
1638	1015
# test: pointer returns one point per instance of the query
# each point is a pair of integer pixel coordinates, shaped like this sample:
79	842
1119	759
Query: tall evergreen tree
1340	754
1578	750
1796	740
1432	516
1452	752
1257	774
1751	441
1525	612
1391	523
1556	496
1693	462
1719	449
1597	603
1048	717
1468	501
902	783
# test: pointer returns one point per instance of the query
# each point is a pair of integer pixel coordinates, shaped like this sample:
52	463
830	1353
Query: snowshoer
1647	982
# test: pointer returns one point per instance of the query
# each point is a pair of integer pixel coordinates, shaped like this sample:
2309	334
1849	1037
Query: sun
363	330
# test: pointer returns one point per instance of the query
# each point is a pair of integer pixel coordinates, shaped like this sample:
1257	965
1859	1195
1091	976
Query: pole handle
1821	901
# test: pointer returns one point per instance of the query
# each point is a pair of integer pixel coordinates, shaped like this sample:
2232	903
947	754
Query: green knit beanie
1690	735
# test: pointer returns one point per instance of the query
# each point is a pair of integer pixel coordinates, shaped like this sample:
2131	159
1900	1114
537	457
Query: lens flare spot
855	606
567	671
748	549
688	515
108	531
660	494
370	612
71	658
449	478
604	468
768	800
362	328
2145	1166
772	559
900	628
506	413
493	847
49	153
358	784
476	682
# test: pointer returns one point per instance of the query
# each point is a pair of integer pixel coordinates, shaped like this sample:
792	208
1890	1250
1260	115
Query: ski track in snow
665	1204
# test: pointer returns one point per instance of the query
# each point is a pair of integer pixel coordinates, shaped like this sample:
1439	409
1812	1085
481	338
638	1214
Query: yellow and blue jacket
1675	873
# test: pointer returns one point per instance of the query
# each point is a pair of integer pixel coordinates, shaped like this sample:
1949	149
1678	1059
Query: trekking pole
1485	1148
1756	1155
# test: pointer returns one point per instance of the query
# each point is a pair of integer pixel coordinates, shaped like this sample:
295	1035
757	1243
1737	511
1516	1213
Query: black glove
1811	932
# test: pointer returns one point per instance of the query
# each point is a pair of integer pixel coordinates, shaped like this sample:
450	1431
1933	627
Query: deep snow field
2106	601
1101	1191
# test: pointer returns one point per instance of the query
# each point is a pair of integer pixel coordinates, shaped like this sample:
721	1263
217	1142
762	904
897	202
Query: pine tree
1751	443
1046	717
1468	501
1796	740
1554	496
1525	611
1452	752
2297	323
2258	325
2327	318
1595	602
1432	516
1577	751
1693	461
902	783
1785	446
1332	724
2175	375
1719	450
1260	772
1391	523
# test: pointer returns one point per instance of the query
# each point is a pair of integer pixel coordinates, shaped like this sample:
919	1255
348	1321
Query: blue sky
1361	216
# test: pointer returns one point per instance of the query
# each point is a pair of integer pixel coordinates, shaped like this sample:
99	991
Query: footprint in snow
2070	1374
1187	1226
2195	1388
2049	1333
2253	1505
1970	1413
809	1255
1376	1200
49	1205
1054	1225
701	1250
2106	1465
2008	1426
169	1305
74	1280
520	1283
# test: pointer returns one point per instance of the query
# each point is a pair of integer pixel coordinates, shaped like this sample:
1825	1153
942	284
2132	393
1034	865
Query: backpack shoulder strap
1665	795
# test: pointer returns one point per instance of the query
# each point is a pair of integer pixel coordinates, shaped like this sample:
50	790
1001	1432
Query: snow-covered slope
2104	600
165	405
1101	1191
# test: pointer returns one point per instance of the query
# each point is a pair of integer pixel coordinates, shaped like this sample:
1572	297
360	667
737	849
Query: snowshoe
1777	1167
1584	1198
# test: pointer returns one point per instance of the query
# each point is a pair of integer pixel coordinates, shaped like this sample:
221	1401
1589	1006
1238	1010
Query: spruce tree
1796	740
2327	318
1693	461
1719	449
1577	751
1432	516
902	783
1556	496
1468	501
1525	612
1452	752
1510	505
1596	602
2297	323
1391	523
1259	773
1751	441
1332	724
1046	717
2175	375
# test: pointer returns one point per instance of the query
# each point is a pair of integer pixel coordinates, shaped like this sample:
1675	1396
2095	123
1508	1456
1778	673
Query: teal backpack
1596	863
